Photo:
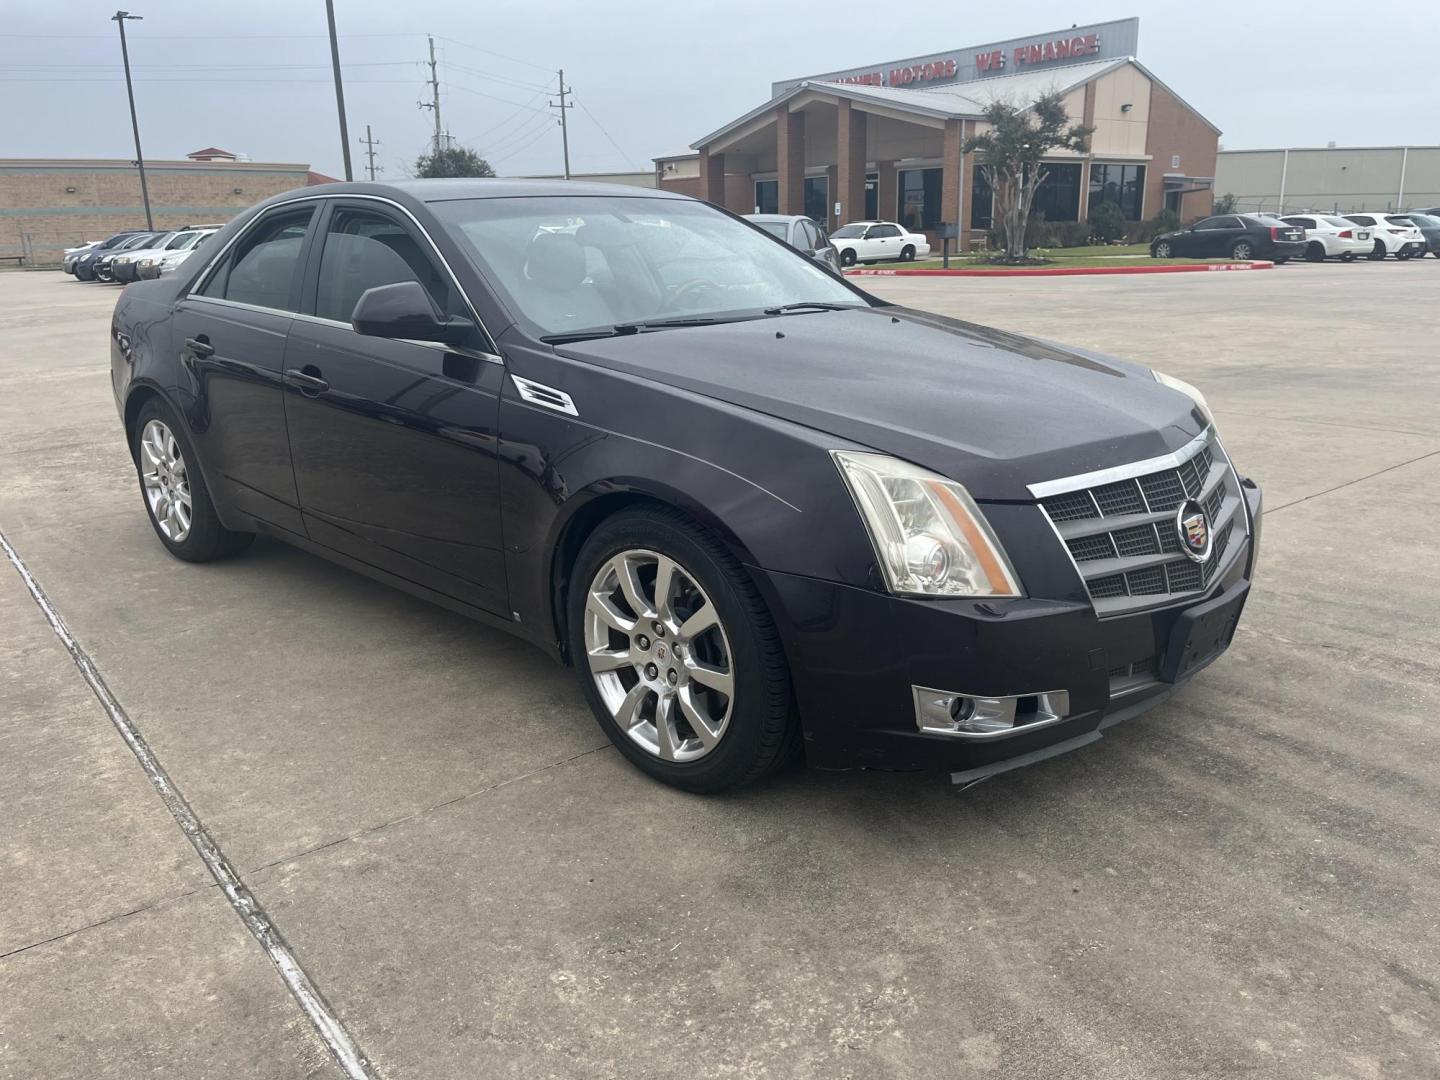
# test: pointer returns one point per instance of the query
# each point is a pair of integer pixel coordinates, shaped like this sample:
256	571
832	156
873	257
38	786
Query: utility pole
563	105
435	99
370	145
119	19
339	88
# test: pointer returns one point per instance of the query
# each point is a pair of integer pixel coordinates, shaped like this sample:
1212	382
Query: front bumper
856	657
124	272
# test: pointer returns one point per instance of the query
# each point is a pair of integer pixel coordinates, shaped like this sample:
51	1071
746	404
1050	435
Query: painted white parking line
317	1010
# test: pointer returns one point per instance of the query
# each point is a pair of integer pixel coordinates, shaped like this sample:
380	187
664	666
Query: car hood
994	410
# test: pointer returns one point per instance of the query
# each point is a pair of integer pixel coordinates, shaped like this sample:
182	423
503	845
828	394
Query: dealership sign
1046	52
1073	45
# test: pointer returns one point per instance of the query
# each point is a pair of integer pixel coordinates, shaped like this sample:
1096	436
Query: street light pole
119	19
339	89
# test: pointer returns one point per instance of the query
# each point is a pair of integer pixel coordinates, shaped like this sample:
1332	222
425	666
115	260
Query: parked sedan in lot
872	241
87	266
1327	236
169	261
760	511
1233	236
1391	235
801	233
73	255
125	266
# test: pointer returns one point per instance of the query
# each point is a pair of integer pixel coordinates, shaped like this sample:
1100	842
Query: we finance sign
1037	53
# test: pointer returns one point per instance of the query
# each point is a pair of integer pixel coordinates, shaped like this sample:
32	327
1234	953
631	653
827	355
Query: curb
1061	271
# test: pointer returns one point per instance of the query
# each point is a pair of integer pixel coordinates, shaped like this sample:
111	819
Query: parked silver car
800	232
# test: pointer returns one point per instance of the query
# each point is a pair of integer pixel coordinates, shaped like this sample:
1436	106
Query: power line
492	52
523	146
596	122
495	97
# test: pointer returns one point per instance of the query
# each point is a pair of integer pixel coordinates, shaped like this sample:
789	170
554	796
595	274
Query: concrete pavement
1243	882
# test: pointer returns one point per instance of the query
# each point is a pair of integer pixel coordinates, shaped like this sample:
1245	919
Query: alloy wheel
659	655
1162	250
1242	251
166	480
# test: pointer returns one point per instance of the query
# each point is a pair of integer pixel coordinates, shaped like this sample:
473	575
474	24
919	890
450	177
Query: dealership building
885	141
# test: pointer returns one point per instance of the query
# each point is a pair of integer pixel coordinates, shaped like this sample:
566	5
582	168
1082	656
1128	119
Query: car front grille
1122	534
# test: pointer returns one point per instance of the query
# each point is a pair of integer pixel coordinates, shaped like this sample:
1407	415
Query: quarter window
264	268
364	249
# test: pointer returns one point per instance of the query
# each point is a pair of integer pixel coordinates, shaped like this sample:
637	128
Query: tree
452	161
1011	157
1225	204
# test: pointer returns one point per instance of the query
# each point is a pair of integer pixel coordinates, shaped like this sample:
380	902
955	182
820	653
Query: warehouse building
884	141
49	204
1337	179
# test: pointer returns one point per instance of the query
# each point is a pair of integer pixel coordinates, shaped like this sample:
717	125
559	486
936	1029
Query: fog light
969	716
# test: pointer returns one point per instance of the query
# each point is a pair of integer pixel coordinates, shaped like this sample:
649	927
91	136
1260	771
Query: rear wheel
678	655
1378	251
1348	256
907	253
174	491
1315	251
1243	251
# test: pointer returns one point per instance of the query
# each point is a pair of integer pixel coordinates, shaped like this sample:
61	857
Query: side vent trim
545	396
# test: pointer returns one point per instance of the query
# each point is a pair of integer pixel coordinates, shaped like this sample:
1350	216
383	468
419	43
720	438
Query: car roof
776	217
491	188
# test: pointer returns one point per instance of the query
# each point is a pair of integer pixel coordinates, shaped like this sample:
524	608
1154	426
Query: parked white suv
1393	234
1328	235
871	241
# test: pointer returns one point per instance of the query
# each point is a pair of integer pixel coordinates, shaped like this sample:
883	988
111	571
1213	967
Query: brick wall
40	217
1175	128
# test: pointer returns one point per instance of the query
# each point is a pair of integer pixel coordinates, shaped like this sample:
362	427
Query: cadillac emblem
1193	528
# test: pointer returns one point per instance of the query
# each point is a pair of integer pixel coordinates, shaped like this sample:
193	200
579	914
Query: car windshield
143	240
849	232
574	263
775	228
180	240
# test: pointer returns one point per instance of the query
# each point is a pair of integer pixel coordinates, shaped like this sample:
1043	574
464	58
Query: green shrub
1107	222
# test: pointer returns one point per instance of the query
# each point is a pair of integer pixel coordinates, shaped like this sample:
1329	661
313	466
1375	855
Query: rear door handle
199	347
308	384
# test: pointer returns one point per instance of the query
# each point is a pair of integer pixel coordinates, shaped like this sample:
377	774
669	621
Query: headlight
929	536
1189	391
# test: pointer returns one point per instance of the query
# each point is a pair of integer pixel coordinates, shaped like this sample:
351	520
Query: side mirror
404	310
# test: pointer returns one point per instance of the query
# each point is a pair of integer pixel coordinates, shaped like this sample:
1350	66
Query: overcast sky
649	77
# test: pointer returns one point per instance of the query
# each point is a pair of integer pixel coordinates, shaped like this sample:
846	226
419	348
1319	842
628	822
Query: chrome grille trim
1120	535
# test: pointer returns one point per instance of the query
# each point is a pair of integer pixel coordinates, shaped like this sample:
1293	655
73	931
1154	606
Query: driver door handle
308	384
199	347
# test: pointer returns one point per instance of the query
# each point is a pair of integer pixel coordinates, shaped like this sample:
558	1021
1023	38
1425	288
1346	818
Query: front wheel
1161	250
907	253
847	257
1242	251
677	654
176	498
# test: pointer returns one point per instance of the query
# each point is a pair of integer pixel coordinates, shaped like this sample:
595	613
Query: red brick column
849	188
790	159
952	184
712	177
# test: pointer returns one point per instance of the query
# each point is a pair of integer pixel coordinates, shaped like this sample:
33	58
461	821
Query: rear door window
263	269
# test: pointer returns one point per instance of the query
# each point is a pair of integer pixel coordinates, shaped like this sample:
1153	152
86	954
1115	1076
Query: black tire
1348	256
763	732
1282	260
206	540
907	253
1243	251
1160	249
1403	255
1315	251
1377	252
847	257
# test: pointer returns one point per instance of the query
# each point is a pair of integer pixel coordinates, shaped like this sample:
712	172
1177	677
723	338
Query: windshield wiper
808	305
626	328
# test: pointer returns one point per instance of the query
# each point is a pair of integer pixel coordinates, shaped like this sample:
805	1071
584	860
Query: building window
1123	185
981	201
920	198
1058	196
767	196
817	198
